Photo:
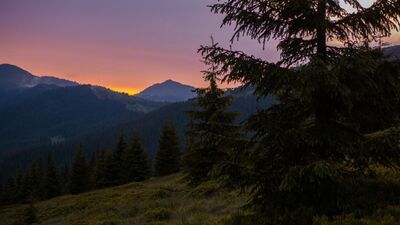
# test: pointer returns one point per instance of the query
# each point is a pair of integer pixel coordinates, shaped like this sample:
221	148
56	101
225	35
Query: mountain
13	77
168	91
393	51
35	111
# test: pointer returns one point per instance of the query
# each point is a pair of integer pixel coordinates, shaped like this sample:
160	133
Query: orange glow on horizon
126	90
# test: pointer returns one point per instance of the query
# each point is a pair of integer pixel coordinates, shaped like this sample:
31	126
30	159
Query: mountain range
39	115
36	110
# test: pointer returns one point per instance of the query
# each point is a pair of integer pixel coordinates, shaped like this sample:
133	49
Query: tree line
127	162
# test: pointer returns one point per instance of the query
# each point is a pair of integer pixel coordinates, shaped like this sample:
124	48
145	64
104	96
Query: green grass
170	201
161	201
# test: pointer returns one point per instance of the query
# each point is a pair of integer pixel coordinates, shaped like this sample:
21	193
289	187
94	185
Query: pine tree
10	191
135	163
337	109
101	178
30	215
92	170
35	180
212	130
116	163
168	155
79	177
51	181
64	179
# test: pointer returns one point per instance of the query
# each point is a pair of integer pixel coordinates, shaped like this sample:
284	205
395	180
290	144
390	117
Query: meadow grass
168	200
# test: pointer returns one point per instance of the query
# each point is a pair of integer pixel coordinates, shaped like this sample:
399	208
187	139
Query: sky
126	45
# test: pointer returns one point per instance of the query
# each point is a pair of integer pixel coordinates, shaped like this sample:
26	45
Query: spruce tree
116	161
135	162
64	179
337	112
79	177
30	215
52	187
10	191
168	155
212	132
100	173
35	180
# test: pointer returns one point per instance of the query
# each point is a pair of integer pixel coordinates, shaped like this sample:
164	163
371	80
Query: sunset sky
125	45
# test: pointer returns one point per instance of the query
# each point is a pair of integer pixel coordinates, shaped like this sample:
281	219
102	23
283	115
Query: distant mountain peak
11	67
12	77
168	91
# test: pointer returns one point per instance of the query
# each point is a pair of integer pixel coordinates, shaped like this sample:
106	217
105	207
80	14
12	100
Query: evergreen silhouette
34	180
135	162
116	161
51	180
337	109
64	179
30	215
100	174
212	130
79	177
168	155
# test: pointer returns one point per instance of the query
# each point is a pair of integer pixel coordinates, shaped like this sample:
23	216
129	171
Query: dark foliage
135	162
169	154
51	181
337	114
212	132
79	178
30	215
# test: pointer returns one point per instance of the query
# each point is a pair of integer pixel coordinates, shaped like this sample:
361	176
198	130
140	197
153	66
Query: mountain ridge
168	91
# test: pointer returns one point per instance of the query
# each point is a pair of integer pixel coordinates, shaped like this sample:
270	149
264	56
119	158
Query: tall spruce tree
135	162
169	154
51	180
100	174
337	111
79	177
212	132
116	161
33	181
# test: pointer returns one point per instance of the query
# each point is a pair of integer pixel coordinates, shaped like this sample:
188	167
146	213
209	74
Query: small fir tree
212	132
30	215
51	181
101	170
168	155
135	161
79	177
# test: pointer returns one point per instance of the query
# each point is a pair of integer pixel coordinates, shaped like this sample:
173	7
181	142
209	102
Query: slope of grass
157	201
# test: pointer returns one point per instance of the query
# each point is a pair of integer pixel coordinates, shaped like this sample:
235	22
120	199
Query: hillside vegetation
170	201
165	200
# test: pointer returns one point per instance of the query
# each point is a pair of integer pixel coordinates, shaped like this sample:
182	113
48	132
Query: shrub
158	214
160	194
239	218
207	189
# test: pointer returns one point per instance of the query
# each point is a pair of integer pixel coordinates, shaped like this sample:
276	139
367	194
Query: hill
165	200
168	91
35	111
170	201
393	51
13	77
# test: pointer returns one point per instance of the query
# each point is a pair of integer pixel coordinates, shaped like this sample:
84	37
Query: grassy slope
168	201
157	201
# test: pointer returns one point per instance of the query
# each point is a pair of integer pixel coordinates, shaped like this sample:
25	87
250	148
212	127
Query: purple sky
122	44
